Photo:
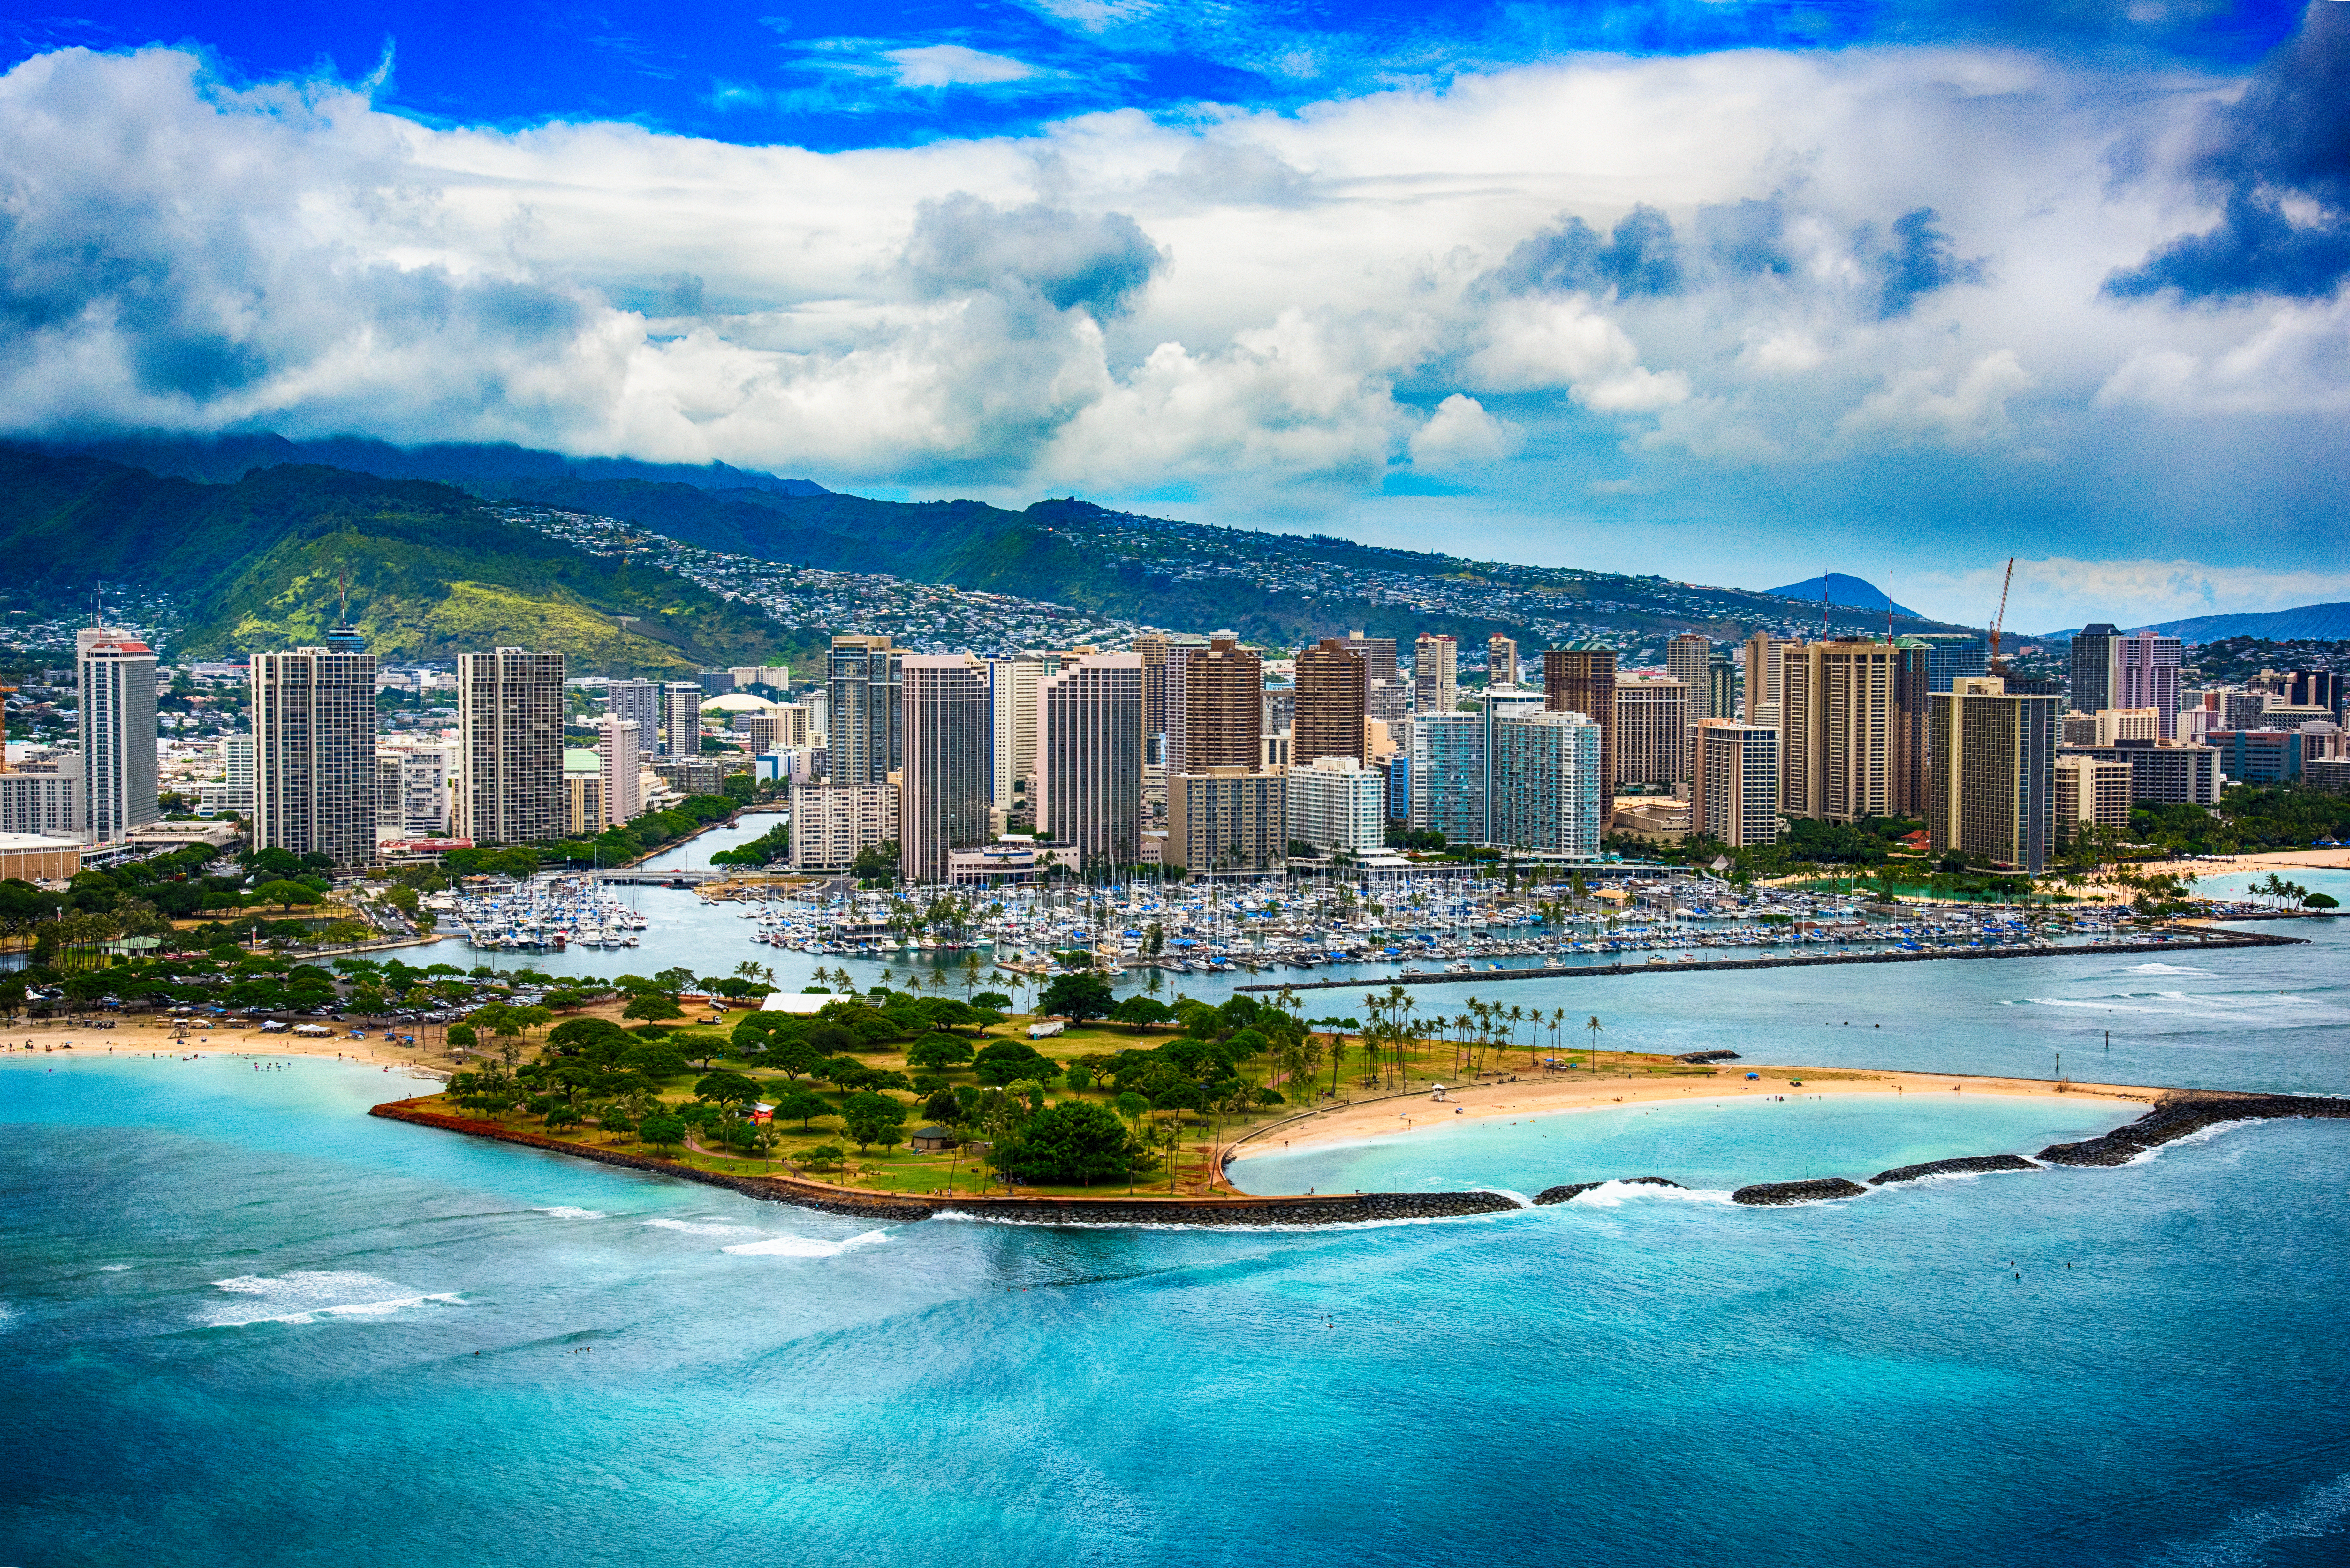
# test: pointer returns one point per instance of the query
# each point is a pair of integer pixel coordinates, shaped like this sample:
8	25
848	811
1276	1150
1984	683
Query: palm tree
1517	1016
1593	1027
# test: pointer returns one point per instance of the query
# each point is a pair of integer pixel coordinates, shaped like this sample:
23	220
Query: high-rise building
1435	674
1280	710
2111	726
2092	792
1718	698
510	746
832	825
681	710
639	702
1652	719
1012	723
237	776
1685	659
1227	819
776	677
413	792
617	761
2317	689
1383	693
1501	660
315	783
1215	702
1851	740
1088	790
1548	788
1734	781
1156	648
862	715
2093	665
1949	655
942	789
585	812
43	797
2145	674
116	672
1583	680
1455	791
1339	806
714	682
1330	704
1992	791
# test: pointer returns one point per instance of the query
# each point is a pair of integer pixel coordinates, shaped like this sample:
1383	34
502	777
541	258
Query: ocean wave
1197	1228
2166	969
113	1268
803	1246
1613	1195
703	1228
566	1211
2220	1007
307	1295
2246	1537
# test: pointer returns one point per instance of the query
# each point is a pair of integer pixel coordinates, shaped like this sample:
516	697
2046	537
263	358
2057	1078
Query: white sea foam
1197	1227
703	1228
113	1268
1612	1194
2166	968
307	1295
804	1246
2315	1515
565	1211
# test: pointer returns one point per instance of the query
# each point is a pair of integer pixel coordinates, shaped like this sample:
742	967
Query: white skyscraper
680	707
617	754
116	672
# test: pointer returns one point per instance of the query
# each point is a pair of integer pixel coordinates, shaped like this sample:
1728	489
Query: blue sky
1727	292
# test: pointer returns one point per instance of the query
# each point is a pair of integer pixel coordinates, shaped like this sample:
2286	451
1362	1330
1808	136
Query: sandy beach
143	1036
2272	860
1569	1092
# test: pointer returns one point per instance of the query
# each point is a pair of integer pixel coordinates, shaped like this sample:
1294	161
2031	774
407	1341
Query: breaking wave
305	1296
804	1246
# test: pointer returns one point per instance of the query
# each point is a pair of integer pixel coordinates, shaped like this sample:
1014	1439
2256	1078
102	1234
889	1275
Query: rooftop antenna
343	595
1889	603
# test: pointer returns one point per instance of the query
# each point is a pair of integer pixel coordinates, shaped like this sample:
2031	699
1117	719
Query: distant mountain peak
1843	592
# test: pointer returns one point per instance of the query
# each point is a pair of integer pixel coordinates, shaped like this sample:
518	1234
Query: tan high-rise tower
1852	730
1219	692
1583	680
1435	674
1331	683
510	746
1501	660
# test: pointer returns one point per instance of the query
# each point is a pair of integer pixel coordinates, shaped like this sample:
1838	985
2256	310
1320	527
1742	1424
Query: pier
2198	942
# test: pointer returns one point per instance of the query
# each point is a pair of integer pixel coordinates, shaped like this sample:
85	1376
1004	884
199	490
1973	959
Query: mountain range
254	545
2324	623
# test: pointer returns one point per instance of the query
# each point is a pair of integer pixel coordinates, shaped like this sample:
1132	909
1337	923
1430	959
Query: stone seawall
2175	1119
1331	1208
1769	1194
2199	942
1975	1166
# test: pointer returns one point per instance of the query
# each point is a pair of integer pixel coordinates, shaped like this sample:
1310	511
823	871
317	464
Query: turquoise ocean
241	1323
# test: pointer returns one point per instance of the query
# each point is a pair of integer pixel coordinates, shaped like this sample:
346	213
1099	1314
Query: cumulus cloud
2278	162
1709	264
1460	434
1912	410
1534	344
2298	363
1098	262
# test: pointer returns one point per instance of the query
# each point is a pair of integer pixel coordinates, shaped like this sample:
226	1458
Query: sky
1729	293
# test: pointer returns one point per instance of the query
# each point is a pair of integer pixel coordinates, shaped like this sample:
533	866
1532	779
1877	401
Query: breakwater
1771	1194
1976	1164
2197	943
2175	1119
1138	1209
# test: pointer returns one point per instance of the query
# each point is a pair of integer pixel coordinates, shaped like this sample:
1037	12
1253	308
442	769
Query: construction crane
2000	619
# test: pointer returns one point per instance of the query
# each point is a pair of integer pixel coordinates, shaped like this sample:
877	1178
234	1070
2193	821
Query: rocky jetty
1567	1194
1707	1056
1770	1194
1973	1165
2175	1118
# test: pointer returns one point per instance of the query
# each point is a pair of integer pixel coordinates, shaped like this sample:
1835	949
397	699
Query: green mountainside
431	573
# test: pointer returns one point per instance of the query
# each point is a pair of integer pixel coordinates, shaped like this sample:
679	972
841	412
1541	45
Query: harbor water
246	1324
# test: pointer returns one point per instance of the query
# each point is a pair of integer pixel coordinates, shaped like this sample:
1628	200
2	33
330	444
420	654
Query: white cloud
954	64
1229	299
1460	434
1909	412
2298	363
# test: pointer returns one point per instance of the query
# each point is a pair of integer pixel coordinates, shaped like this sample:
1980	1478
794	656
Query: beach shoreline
1566	1093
